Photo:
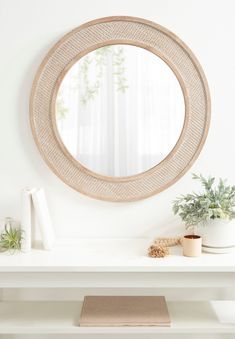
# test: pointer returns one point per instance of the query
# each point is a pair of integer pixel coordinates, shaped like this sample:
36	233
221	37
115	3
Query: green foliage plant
214	202
11	237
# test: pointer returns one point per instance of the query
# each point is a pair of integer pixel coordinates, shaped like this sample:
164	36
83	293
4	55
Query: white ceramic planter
218	236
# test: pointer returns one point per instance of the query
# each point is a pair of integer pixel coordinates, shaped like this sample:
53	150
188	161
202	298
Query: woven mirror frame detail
123	30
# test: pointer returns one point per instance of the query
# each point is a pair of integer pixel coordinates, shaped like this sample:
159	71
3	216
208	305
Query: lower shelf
63	317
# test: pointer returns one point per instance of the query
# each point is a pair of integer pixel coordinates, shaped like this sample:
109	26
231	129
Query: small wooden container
192	245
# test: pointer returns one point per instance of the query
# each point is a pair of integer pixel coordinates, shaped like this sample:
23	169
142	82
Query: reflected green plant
61	109
87	89
100	59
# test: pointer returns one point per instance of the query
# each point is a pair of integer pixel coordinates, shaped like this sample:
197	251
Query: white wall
28	28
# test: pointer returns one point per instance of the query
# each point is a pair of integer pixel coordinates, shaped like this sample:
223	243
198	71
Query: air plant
11	237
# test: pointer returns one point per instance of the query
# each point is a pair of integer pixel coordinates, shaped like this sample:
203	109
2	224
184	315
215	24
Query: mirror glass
120	110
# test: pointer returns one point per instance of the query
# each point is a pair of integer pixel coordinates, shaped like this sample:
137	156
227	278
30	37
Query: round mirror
120	110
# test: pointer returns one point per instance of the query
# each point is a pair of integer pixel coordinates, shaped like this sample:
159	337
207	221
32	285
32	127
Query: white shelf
111	263
63	317
111	255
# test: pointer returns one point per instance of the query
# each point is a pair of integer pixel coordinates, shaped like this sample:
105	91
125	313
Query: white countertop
111	255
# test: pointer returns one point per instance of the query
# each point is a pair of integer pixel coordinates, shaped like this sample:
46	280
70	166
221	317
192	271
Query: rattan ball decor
79	42
158	251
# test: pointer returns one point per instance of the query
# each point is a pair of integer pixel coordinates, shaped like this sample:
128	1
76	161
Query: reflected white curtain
133	117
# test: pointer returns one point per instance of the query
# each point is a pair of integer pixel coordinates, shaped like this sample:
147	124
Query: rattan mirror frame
82	40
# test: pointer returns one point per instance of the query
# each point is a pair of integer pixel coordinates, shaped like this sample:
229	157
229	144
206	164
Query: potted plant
210	212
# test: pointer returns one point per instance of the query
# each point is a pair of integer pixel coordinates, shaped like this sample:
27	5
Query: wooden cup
192	245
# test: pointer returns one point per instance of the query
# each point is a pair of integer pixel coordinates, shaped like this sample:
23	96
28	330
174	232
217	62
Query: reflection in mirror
120	110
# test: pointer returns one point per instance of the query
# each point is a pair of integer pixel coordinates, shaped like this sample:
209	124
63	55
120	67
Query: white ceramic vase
218	236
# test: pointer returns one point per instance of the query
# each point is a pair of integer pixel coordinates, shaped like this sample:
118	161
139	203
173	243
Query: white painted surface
111	255
76	294
63	317
29	29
